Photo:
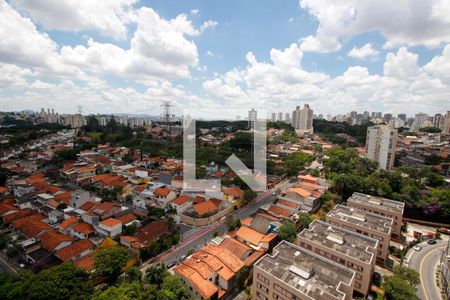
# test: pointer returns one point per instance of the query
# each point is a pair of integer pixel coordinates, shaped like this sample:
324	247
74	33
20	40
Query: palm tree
155	275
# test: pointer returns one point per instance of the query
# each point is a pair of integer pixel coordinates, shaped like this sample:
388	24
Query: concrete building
280	116
274	117
380	145
369	224
445	271
447	123
252	117
439	121
420	121
302	119
292	272
287	118
380	206
345	247
74	121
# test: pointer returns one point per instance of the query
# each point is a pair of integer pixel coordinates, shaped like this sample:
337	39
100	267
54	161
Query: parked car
431	242
417	247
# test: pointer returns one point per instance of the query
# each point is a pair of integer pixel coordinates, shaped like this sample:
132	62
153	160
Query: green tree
67	154
172	288
109	262
249	195
304	219
156	275
132	274
61	282
296	162
287	231
430	129
397	288
125	291
408	274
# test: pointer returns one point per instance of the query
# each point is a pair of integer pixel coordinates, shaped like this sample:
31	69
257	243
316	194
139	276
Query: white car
417	247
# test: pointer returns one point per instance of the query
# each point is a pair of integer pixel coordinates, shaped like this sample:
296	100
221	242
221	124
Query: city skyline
130	55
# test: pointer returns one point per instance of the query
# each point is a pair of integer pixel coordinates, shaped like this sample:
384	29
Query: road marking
420	272
14	270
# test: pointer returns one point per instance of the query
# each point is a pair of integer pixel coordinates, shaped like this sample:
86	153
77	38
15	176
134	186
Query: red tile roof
162	192
6	207
234	191
69	222
276	210
83	227
52	239
151	232
204	208
249	235
125	219
180	200
86	262
78	247
88	206
17	215
110	222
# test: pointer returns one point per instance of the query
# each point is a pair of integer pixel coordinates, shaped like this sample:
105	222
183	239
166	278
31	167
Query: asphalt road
425	262
203	237
5	267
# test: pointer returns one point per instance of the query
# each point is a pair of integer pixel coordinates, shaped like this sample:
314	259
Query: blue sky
129	55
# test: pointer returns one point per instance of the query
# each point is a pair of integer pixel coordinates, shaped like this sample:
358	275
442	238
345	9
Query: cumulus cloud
104	16
282	84
366	51
407	23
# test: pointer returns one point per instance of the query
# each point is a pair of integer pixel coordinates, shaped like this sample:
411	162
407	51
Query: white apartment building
380	145
302	118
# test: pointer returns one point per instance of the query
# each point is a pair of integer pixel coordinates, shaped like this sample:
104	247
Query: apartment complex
252	117
380	206
347	248
380	145
292	272
302	118
366	223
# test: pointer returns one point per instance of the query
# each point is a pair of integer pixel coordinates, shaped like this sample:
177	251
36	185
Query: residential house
109	227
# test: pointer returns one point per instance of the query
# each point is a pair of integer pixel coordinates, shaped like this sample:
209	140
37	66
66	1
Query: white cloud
13	76
208	24
366	51
104	16
282	84
401	22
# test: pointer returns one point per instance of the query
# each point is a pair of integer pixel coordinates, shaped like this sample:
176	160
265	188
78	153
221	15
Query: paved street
5	267
425	262
204	236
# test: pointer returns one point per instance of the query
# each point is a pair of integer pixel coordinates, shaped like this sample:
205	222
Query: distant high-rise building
439	121
447	123
287	118
303	118
252	116
274	117
353	114
366	115
380	145
320	116
402	117
387	117
420	121
280	116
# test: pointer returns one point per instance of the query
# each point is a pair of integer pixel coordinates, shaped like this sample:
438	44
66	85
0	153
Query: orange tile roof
51	239
276	210
237	248
247	221
254	256
313	186
287	203
204	287
199	199
17	215
125	219
34	228
5	207
88	205
3	189
25	219
110	222
139	188
83	227
162	192
78	247
267	216
300	191
64	195
180	200
53	189
86	262
249	235
308	178
234	191
204	208
53	203
69	222
269	237
151	232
